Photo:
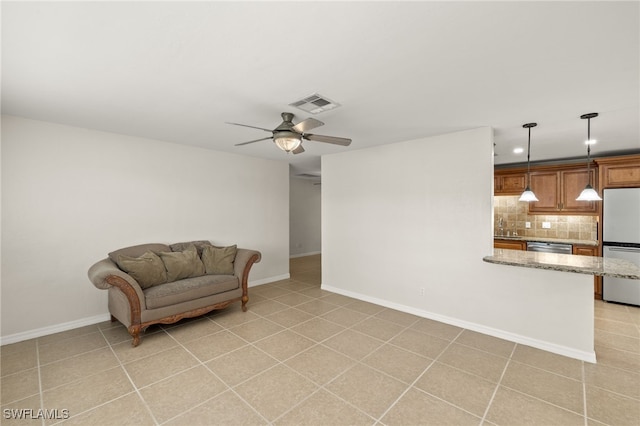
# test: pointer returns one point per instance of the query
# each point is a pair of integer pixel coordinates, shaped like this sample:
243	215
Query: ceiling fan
289	136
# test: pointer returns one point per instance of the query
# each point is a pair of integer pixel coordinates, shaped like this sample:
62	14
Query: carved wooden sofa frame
127	302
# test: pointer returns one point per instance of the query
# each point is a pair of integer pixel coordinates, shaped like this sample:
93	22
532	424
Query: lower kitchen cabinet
509	244
585	250
597	281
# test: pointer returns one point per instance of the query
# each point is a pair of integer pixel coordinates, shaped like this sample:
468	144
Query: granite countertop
590	265
549	240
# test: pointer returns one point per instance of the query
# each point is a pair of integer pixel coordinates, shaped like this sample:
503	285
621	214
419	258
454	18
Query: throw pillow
200	244
219	260
148	269
182	264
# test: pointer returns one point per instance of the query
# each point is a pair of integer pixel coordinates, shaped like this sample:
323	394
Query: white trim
311	253
51	329
512	337
57	328
269	280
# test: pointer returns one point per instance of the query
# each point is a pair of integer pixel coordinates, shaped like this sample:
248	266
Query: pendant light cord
528	160
588	117
589	149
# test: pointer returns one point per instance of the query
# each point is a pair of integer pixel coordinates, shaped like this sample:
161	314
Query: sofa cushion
182	264
189	289
183	246
137	251
219	260
148	269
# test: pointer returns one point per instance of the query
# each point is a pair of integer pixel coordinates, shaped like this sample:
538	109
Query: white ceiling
177	71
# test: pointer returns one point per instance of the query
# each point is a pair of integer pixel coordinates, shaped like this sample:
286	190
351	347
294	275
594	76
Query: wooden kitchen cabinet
585	250
546	186
509	244
597	281
619	172
509	183
557	191
573	182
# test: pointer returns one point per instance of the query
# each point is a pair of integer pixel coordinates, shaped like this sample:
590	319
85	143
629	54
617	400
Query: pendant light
588	193
528	194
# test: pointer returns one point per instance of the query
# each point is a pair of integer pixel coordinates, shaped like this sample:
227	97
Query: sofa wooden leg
113	319
245	299
134	331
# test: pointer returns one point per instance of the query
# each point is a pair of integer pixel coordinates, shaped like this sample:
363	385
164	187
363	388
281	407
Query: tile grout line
282	363
356	362
316	343
495	391
411	386
229	388
360	361
108	345
568	410
40	379
136	390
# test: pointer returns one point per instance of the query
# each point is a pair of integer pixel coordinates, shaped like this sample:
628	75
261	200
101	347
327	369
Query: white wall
70	195
304	224
418	215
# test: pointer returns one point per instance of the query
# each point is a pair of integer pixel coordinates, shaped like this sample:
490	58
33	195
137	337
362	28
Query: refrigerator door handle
625	249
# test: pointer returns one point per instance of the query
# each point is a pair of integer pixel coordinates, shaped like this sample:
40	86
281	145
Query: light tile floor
304	356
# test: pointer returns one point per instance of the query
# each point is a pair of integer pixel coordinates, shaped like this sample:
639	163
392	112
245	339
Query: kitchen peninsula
590	265
555	307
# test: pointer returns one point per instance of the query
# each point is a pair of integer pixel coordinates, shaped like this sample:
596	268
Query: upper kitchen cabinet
508	182
573	183
619	172
557	190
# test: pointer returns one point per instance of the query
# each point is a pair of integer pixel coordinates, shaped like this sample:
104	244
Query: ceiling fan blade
257	140
298	150
253	127
308	124
328	139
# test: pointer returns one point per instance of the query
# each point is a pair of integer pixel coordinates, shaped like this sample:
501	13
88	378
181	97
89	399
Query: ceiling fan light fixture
287	141
588	193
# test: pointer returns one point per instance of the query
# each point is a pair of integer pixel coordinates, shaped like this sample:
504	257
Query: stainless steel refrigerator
621	240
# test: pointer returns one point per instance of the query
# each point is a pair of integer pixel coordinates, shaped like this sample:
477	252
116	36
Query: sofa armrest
105	274
243	262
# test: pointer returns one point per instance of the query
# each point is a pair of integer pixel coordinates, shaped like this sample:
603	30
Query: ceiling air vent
315	104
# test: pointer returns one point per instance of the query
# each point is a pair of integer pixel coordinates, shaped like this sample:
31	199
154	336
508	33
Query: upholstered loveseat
157	283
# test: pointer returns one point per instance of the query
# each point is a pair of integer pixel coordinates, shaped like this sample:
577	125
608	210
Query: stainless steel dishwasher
549	247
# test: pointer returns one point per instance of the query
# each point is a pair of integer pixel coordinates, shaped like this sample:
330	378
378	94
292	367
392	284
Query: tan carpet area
304	356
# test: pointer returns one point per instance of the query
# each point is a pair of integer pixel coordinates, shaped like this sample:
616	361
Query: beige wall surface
406	225
71	195
304	229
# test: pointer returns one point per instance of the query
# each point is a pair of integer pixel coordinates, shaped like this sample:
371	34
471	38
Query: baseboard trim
52	329
256	283
311	253
57	328
588	356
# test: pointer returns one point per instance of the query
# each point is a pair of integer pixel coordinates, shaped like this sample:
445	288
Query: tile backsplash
514	214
